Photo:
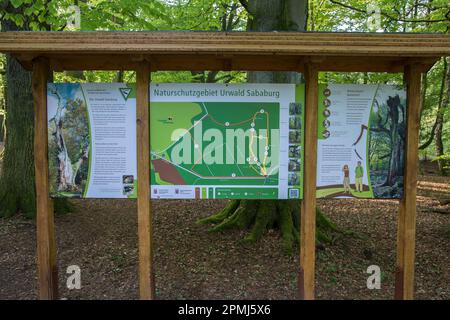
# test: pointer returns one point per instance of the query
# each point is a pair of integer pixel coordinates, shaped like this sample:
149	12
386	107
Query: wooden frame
306	52
46	247
145	232
308	206
406	224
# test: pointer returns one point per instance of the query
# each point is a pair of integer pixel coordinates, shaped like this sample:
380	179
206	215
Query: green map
214	143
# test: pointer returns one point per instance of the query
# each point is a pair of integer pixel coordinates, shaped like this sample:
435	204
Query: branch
392	18
363	127
244	3
431	137
433	129
380	130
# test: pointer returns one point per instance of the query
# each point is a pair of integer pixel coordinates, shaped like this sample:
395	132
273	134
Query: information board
361	141
225	141
92	140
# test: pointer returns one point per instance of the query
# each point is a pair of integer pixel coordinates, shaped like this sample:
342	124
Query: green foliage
2	100
131	15
37	15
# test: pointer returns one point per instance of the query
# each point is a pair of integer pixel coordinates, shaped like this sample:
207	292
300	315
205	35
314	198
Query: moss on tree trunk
17	186
260	215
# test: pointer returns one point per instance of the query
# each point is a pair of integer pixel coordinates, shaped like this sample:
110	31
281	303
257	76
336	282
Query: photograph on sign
361	141
92	140
225	141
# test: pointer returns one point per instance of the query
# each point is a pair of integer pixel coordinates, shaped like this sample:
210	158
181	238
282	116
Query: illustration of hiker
346	171
359	173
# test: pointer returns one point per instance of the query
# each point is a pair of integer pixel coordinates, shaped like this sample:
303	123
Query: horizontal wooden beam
197	62
267	51
296	43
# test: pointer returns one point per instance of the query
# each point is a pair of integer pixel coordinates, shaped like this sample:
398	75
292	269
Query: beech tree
17	188
261	215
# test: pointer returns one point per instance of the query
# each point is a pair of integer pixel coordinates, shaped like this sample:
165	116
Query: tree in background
261	215
400	16
17	187
2	103
441	155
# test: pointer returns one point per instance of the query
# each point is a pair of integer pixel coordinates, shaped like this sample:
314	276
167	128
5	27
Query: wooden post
46	246
308	208
146	273
406	225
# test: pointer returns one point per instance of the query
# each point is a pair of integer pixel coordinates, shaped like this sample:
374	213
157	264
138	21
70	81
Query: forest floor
190	263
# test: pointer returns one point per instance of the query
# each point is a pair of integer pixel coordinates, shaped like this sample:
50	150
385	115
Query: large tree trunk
2	106
440	124
260	215
17	191
66	178
17	186
396	115
395	145
275	15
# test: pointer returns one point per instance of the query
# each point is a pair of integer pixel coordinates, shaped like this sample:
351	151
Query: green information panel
226	141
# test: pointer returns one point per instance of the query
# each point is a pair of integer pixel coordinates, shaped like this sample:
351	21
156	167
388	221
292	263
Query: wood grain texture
247	51
308	206
177	62
406	225
145	234
46	246
311	43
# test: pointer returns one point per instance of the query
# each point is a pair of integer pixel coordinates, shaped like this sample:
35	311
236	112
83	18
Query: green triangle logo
125	92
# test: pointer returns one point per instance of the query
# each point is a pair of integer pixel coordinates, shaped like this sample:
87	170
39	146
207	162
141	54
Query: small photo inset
327	92
326	134
293	179
294	165
326	123
295	151
295	123
128	179
326	102
128	189
326	113
295	109
294	136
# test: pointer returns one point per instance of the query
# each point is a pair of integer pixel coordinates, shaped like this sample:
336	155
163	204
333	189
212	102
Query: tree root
260	215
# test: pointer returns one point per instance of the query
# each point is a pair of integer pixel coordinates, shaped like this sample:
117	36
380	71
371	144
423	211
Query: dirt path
191	263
